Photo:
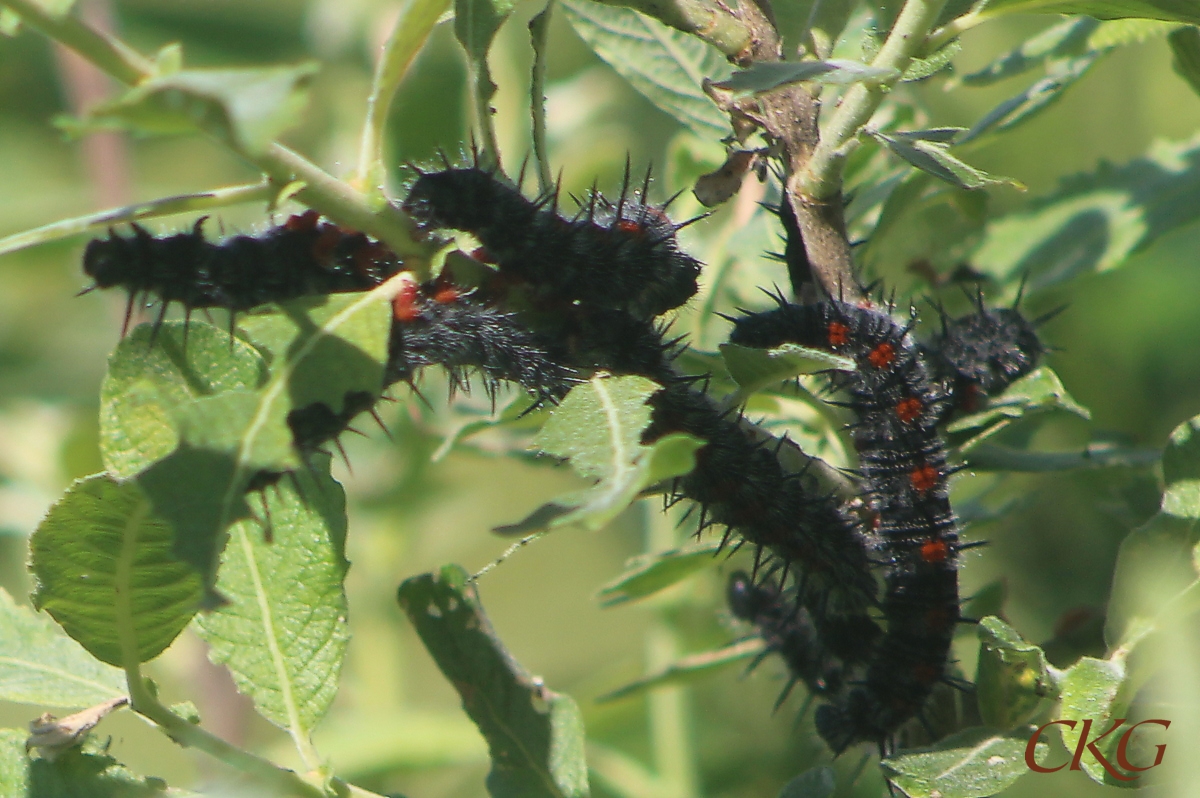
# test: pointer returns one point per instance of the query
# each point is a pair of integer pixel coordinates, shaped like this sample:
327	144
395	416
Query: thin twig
539	26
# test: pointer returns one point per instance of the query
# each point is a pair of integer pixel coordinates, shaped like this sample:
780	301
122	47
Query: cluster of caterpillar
574	294
899	392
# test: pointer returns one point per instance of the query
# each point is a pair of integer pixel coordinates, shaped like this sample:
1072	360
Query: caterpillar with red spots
914	533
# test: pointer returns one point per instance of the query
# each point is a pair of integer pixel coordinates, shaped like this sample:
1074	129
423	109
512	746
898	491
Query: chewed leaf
104	569
1013	676
534	734
647	574
283	632
598	427
667	66
248	107
695	666
973	763
41	665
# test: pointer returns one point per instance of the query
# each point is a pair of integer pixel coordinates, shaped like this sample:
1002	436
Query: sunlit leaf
1089	693
104	569
1013	676
283	632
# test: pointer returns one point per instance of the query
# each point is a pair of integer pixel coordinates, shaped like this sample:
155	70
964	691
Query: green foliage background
1127	351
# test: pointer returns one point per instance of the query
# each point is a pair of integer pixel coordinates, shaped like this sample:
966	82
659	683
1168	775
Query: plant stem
165	206
952	30
821	178
280	780
539	26
321	191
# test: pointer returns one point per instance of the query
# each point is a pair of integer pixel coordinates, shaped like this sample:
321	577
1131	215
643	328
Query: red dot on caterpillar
908	410
839	334
924	478
445	294
303	221
882	355
405	308
934	550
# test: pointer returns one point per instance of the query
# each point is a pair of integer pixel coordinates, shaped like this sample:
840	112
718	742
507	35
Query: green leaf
1089	692
933	156
1013	676
476	23
10	23
647	574
972	763
816	783
663	64
327	350
148	382
77	772
1169	10
1185	49
104	570
764	76
598	427
250	108
755	369
1062	40
283	633
1035	99
535	735
689	669
1095	221
41	665
1039	391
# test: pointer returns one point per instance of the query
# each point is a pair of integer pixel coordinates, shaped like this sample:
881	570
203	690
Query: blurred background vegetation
1127	350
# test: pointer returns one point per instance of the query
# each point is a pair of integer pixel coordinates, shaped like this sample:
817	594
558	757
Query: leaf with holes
1013	676
41	665
666	66
598	427
535	735
82	771
104	569
283	633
